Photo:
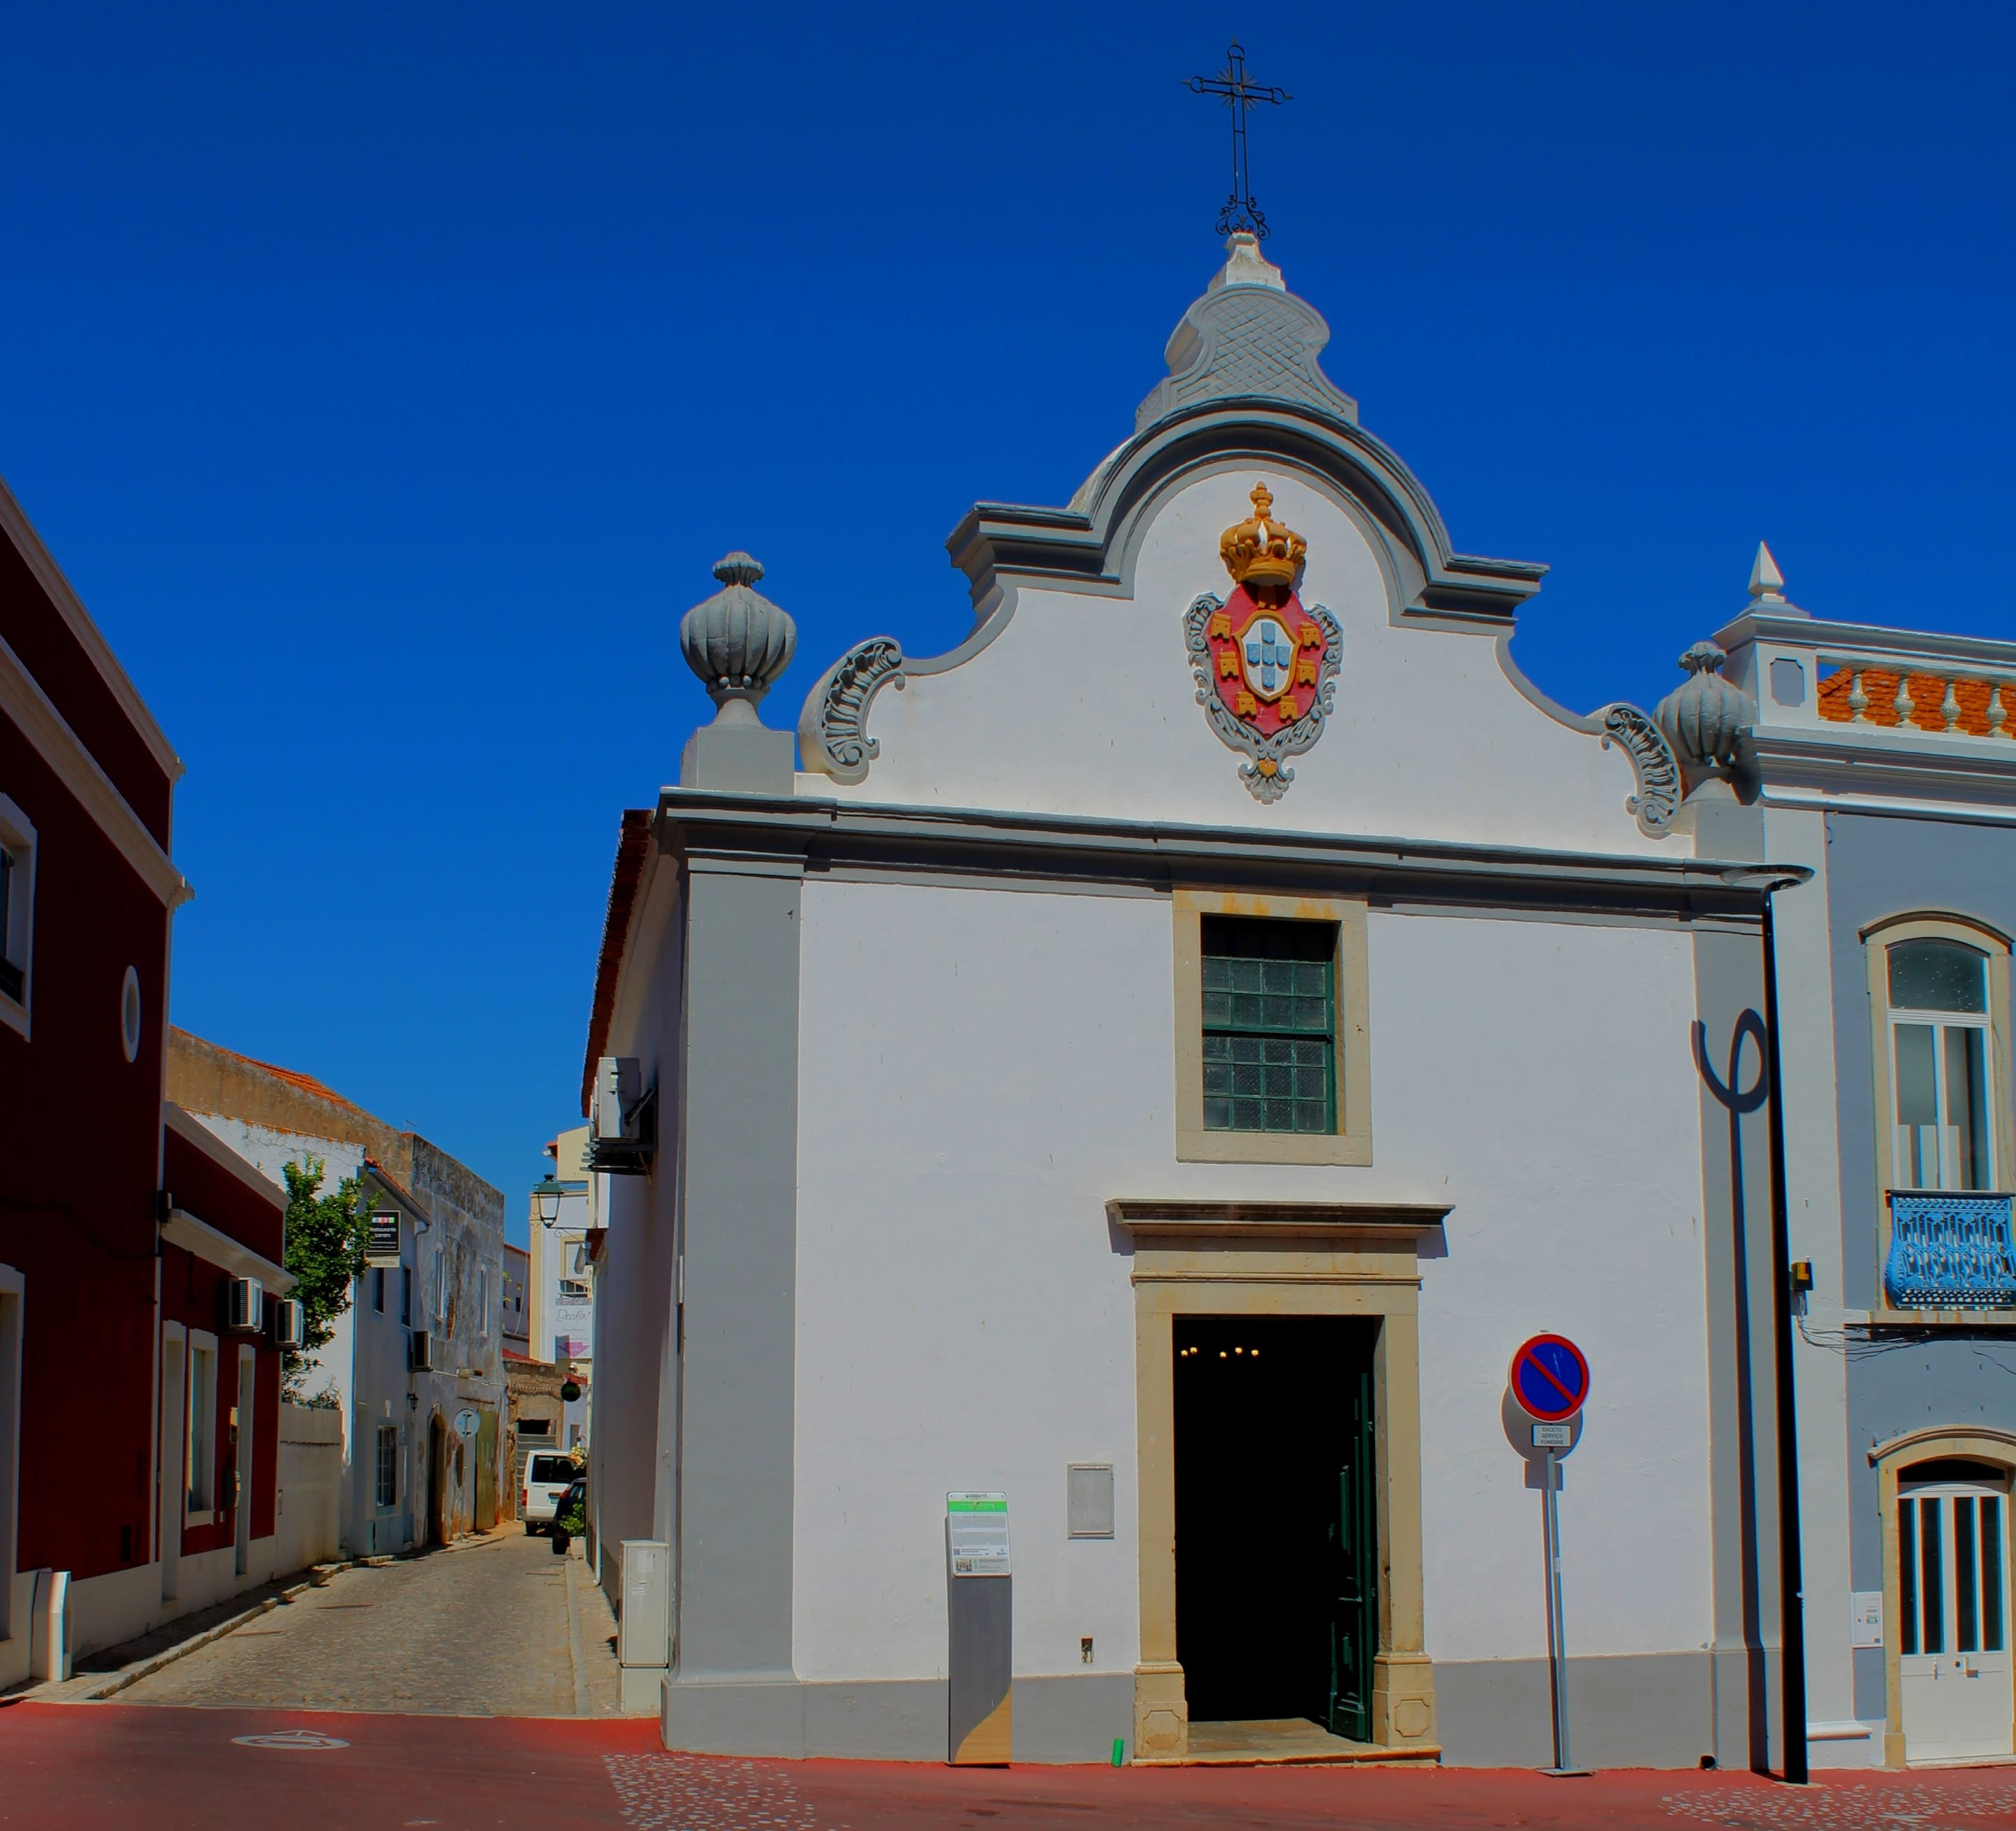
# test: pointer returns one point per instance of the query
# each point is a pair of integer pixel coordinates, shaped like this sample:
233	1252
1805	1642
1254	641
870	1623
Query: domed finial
737	641
1703	715
1767	583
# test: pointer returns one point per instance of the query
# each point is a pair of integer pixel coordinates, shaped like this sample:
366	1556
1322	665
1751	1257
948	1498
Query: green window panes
1270	1026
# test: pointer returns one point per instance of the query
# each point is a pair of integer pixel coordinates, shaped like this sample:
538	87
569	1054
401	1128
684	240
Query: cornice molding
15	522
194	1236
1862	767
23	700
1156	1218
199	1137
736	829
1878	640
997	542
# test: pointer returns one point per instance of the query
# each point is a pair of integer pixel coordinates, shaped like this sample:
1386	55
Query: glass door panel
1943	1129
1952	1630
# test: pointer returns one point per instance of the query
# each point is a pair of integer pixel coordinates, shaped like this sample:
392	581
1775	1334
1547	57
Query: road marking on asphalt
290	1738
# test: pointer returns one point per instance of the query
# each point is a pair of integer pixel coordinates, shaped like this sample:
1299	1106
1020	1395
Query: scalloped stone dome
737	641
1702	715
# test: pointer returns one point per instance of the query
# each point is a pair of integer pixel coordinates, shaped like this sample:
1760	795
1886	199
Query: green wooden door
1354	1585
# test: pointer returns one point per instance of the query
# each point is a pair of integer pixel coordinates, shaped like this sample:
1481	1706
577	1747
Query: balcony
1949	1251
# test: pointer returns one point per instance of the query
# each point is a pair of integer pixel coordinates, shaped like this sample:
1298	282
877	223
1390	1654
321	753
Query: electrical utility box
643	1643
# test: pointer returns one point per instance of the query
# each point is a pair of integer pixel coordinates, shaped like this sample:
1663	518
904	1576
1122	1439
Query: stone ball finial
737	641
1702	716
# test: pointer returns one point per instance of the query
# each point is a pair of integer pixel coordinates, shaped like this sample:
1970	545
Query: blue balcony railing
1950	1252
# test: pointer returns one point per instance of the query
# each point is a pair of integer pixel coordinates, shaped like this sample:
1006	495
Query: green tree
325	1241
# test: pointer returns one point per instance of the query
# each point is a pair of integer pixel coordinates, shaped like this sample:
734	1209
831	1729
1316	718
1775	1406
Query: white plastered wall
1085	705
981	1071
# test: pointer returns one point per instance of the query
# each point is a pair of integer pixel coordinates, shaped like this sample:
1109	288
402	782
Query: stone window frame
13	1317
382	1466
1974	1443
17	944
1351	1142
1878	938
201	1342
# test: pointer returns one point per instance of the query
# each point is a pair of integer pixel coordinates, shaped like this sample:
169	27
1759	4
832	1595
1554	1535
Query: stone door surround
1205	1258
1970	1443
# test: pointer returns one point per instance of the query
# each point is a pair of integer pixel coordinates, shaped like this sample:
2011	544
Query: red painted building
88	892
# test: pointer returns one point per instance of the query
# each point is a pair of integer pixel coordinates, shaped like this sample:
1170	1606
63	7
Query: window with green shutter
1269	1025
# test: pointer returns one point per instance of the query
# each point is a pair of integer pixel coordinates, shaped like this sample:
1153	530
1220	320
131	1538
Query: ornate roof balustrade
1943	700
1949	1251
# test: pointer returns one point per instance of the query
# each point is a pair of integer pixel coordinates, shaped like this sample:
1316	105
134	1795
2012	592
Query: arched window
1945	1157
1940	1063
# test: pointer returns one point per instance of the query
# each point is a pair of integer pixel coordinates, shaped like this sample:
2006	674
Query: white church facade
1165	1095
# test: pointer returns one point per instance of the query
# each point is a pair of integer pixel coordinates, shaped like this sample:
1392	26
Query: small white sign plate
1866	1620
1553	1436
467	1422
976	1534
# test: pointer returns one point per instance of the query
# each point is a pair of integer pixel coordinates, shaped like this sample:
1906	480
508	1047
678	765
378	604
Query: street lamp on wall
546	1199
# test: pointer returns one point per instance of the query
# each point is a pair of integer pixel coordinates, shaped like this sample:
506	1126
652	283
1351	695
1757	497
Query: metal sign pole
1557	1631
1557	1639
1549	1381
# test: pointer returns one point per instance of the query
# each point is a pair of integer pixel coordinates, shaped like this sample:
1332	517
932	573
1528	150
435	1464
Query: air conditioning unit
619	1085
421	1352
289	1323
622	1118
244	1306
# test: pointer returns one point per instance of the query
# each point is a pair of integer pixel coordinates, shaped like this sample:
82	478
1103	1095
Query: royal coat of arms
1265	667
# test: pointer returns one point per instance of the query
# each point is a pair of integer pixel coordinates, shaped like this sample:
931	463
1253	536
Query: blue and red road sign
1549	1377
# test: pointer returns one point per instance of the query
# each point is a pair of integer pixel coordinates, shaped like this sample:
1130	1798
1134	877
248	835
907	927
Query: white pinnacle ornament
1767	583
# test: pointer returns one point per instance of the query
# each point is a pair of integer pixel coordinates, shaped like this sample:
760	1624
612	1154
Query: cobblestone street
492	1629
111	1767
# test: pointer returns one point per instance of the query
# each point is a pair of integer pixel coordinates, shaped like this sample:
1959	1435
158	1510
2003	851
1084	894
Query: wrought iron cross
1239	93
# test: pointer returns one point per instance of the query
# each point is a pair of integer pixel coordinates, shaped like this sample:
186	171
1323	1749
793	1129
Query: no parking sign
1549	1377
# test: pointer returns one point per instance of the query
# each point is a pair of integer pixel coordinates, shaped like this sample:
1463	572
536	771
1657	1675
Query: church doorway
1276	1532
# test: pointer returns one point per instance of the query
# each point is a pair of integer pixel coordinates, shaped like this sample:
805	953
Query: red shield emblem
1266	660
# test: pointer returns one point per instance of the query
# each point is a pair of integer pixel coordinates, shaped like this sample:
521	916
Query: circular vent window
129	1014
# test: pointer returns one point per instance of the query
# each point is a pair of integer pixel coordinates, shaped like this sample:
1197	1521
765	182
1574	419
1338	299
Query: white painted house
1155	1061
420	1345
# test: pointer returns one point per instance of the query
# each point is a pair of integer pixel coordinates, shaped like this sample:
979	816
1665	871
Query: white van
549	1474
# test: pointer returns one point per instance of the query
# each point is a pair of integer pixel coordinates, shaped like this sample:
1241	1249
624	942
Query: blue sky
386	379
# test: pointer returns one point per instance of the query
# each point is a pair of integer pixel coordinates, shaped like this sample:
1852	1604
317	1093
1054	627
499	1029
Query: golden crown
1260	553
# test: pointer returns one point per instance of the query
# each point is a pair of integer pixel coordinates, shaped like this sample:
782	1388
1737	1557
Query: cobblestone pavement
111	1767
497	1628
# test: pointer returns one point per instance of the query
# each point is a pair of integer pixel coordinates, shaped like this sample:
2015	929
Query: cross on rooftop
1239	93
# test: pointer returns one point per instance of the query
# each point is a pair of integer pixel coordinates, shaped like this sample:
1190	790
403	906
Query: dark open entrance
1276	1551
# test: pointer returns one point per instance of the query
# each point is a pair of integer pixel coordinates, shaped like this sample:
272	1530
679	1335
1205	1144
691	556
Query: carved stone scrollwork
1659	796
835	738
1267	776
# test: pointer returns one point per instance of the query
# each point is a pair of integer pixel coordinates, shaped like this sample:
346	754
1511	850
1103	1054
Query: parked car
549	1474
569	1515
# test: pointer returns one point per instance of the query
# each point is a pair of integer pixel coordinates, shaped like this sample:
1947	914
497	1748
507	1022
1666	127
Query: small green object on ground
1120	1751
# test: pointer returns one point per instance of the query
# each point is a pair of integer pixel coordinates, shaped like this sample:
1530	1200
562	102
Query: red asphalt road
114	1767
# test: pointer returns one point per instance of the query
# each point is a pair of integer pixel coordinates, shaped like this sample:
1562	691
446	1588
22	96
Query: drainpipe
1791	1581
